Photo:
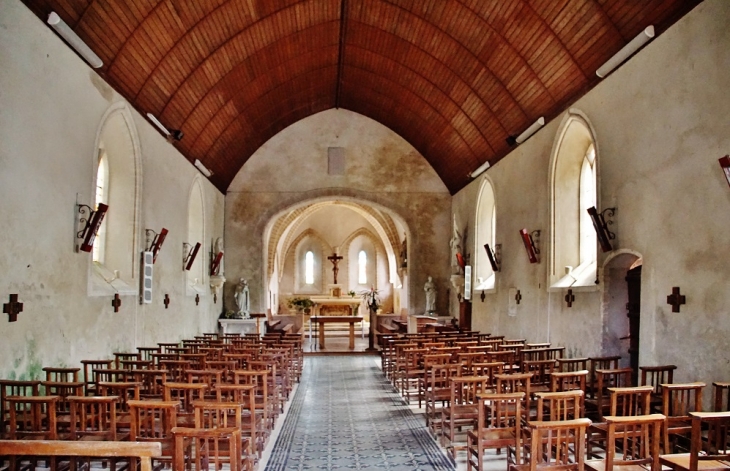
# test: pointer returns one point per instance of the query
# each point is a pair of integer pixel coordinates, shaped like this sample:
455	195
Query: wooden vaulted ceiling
454	78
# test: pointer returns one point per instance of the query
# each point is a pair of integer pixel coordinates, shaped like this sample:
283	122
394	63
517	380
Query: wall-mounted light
495	257
626	51
154	242
479	170
189	254
203	169
534	127
601	226
74	40
725	164
530	239
90	220
170	133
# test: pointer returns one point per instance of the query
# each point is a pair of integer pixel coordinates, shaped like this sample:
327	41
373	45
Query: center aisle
346	415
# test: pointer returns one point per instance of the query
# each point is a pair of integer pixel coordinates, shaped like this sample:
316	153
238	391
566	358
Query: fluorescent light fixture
531	130
626	52
157	123
74	40
199	165
481	169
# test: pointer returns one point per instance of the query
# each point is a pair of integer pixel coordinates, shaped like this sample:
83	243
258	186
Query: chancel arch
573	189
345	227
117	182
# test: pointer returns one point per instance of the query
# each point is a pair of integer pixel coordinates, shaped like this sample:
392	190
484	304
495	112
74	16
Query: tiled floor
345	415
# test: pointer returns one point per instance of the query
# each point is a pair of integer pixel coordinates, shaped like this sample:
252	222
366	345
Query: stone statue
430	289
455	245
243	300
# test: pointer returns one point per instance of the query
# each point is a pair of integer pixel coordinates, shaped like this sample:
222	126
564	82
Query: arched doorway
622	302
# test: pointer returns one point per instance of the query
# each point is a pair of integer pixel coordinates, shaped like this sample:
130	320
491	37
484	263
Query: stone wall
661	123
51	107
382	170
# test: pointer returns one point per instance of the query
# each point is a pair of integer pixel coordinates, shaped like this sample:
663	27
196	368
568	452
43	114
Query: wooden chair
632	444
623	402
263	405
429	361
438	393
63	390
462	410
721	396
62	374
600	363
571	381
153	421
656	376
32	417
124	356
410	373
16	449
490	370
678	400
252	423
572	364
541	371
200	448
13	388
90	368
93	418
516	382
498	426
710	444
561	405
598	405
185	394
210	415
145	353
555	445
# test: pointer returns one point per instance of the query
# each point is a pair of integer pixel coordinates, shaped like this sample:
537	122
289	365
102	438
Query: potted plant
371	298
300	304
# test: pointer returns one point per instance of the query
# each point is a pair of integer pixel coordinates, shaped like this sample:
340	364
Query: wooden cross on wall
12	308
197	299
335	259
569	298
518	297
167	301
116	302
676	299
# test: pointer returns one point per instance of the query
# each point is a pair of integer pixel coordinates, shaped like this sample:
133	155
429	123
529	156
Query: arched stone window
573	243
486	218
102	196
362	268
309	268
117	181
195	277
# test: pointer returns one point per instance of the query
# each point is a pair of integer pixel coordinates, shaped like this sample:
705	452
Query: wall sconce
189	254
626	51
531	239
495	257
479	170
73	40
725	164
91	224
169	133
203	169
601	226
154	244
215	264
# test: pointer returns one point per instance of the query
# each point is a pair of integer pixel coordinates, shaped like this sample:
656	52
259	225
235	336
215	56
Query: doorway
633	312
621	308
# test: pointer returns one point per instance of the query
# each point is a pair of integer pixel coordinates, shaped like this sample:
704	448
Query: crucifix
676	299
569	298
116	302
12	308
197	299
518	297
335	259
167	301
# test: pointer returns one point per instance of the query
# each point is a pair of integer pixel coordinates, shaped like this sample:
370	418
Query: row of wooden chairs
247	393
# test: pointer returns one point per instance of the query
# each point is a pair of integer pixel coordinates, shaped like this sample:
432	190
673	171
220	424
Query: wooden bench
144	451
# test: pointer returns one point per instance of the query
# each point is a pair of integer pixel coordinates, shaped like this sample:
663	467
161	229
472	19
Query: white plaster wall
381	169
51	105
661	122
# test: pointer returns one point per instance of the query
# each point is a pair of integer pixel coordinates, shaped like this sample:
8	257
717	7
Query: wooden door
633	312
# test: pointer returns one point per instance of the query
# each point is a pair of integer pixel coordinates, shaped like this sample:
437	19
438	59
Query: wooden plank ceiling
454	78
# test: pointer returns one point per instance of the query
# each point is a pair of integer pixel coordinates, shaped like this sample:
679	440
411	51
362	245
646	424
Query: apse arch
281	233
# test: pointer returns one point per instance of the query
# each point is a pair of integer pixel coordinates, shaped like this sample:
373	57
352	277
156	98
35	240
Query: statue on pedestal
430	289
243	300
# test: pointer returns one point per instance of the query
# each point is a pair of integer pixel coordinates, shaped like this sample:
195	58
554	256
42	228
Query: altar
334	306
240	326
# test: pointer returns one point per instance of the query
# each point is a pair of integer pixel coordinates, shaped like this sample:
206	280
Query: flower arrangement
300	303
371	298
351	293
